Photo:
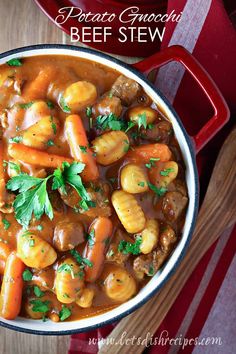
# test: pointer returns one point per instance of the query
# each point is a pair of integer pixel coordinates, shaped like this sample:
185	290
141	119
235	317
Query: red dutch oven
189	147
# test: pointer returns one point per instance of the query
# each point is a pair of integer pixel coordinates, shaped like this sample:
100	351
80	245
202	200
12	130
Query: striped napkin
206	305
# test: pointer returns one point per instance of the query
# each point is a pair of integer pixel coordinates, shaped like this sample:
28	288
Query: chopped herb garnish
130	248
89	111
113	179
13	166
27	275
152	162
31	242
79	259
64	313
26	105
90	238
110	253
130	125
141	184
151	271
110	95
16	139
50	105
64	105
126	147
50	143
14	62
150	126
38	292
6	224
159	191
166	171
40	227
40	306
83	149
54	127
142	120
110	121
67	268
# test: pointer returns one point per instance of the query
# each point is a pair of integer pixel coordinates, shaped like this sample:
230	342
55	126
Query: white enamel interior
82	325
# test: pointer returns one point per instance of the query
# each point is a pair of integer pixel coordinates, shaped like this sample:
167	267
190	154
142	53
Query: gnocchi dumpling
129	211
133	179
149	236
137	112
69	281
164	173
41	133
85	298
120	285
78	95
110	147
34	251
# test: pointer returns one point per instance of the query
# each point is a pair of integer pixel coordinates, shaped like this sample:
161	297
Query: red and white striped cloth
206	305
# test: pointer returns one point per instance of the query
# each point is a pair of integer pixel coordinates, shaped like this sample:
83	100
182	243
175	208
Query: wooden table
22	23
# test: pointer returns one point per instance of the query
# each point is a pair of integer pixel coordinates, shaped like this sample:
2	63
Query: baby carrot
12	285
38	87
99	233
32	156
79	147
145	152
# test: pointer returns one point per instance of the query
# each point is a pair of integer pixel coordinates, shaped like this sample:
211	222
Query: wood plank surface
21	24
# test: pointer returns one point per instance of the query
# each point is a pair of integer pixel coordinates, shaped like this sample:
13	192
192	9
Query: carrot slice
145	152
12	285
32	156
100	231
79	147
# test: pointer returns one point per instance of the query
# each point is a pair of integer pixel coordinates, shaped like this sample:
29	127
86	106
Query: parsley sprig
33	195
130	248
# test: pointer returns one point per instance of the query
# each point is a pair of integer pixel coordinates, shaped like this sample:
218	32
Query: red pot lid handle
221	110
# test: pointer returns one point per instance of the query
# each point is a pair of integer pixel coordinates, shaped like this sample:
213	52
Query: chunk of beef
107	105
67	235
126	89
173	205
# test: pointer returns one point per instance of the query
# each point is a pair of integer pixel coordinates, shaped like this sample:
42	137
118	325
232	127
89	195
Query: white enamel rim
51	328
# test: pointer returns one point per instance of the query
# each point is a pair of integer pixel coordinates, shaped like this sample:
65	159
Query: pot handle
221	110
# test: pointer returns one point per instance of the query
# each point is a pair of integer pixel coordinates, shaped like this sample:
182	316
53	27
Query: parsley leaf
50	142
130	248
64	105
64	313
38	292
30	200
40	306
69	173
54	127
83	149
33	196
25	105
14	62
159	191
152	162
16	139
13	166
90	238
6	224
110	121
79	259
166	171
89	111
27	275
142	120
50	105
